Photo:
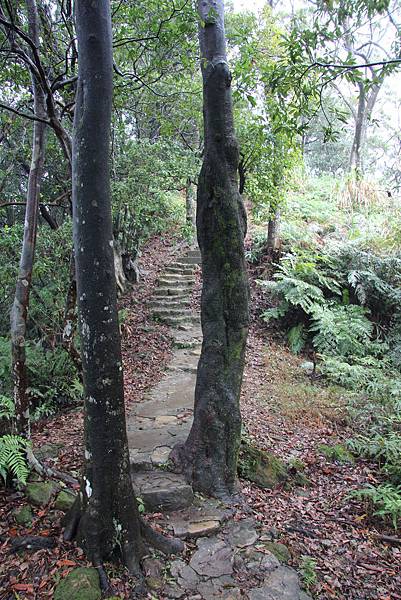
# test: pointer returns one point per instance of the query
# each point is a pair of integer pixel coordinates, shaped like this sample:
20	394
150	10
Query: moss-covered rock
40	493
260	467
81	584
23	516
280	551
48	451
64	500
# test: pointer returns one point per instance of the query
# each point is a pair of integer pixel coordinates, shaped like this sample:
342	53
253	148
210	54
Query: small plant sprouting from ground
337	453
307	568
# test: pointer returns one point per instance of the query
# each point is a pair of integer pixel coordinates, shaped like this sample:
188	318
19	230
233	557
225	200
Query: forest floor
339	551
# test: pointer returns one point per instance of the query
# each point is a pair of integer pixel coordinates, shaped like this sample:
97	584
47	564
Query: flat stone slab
281	584
242	534
162	491
214	558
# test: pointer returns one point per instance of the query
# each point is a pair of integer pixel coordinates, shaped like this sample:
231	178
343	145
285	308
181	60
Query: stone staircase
170	302
164	417
231	558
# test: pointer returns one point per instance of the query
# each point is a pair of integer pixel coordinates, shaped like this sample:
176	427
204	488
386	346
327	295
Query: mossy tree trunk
105	517
209	455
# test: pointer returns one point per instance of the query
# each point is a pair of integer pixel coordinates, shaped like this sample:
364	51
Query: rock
162	491
242	534
280	551
308	367
213	559
23	515
259	564
80	584
304	596
261	467
48	451
64	500
154	583
195	529
281	584
184	574
152	567
218	588
40	493
173	591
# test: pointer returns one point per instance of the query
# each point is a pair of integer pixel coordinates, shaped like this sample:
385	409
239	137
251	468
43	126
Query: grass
291	393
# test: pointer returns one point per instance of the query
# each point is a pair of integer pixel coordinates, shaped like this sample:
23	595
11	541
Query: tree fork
209	456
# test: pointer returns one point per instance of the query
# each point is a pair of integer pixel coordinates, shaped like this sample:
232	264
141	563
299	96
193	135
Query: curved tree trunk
105	517
19	311
209	456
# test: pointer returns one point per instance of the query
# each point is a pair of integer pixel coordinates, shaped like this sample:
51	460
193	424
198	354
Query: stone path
227	556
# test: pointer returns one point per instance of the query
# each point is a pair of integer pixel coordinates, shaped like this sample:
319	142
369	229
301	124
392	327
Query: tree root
31	543
161	542
47	471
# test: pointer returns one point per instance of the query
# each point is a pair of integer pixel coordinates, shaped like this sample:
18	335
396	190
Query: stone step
172	312
174	282
176	321
167	290
167	301
178	277
190	260
162	491
194	252
180	269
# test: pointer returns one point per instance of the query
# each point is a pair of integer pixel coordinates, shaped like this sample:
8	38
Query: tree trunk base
204	475
130	554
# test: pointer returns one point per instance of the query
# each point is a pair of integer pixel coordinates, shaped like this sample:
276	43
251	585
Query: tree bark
273	231
105	517
209	455
190	204
366	104
19	311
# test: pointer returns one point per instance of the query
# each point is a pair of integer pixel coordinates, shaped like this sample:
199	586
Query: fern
13	457
7	409
340	330
385	499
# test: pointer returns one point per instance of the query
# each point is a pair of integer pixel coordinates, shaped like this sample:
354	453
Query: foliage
338	453
307	567
53	378
13	457
385	500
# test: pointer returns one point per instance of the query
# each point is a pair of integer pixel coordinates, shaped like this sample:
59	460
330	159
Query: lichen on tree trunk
209	455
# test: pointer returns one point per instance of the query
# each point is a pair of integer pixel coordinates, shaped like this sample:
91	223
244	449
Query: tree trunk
105	517
209	455
366	104
273	232
355	162
19	311
190	206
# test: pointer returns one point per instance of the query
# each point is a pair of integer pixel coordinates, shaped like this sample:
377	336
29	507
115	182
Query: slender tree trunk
355	161
105	517
209	456
19	311
366	104
190	202
273	229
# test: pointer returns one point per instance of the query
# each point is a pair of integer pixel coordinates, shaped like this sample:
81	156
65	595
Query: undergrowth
339	301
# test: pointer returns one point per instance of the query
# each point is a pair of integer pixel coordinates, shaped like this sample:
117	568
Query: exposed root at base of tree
129	555
44	471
